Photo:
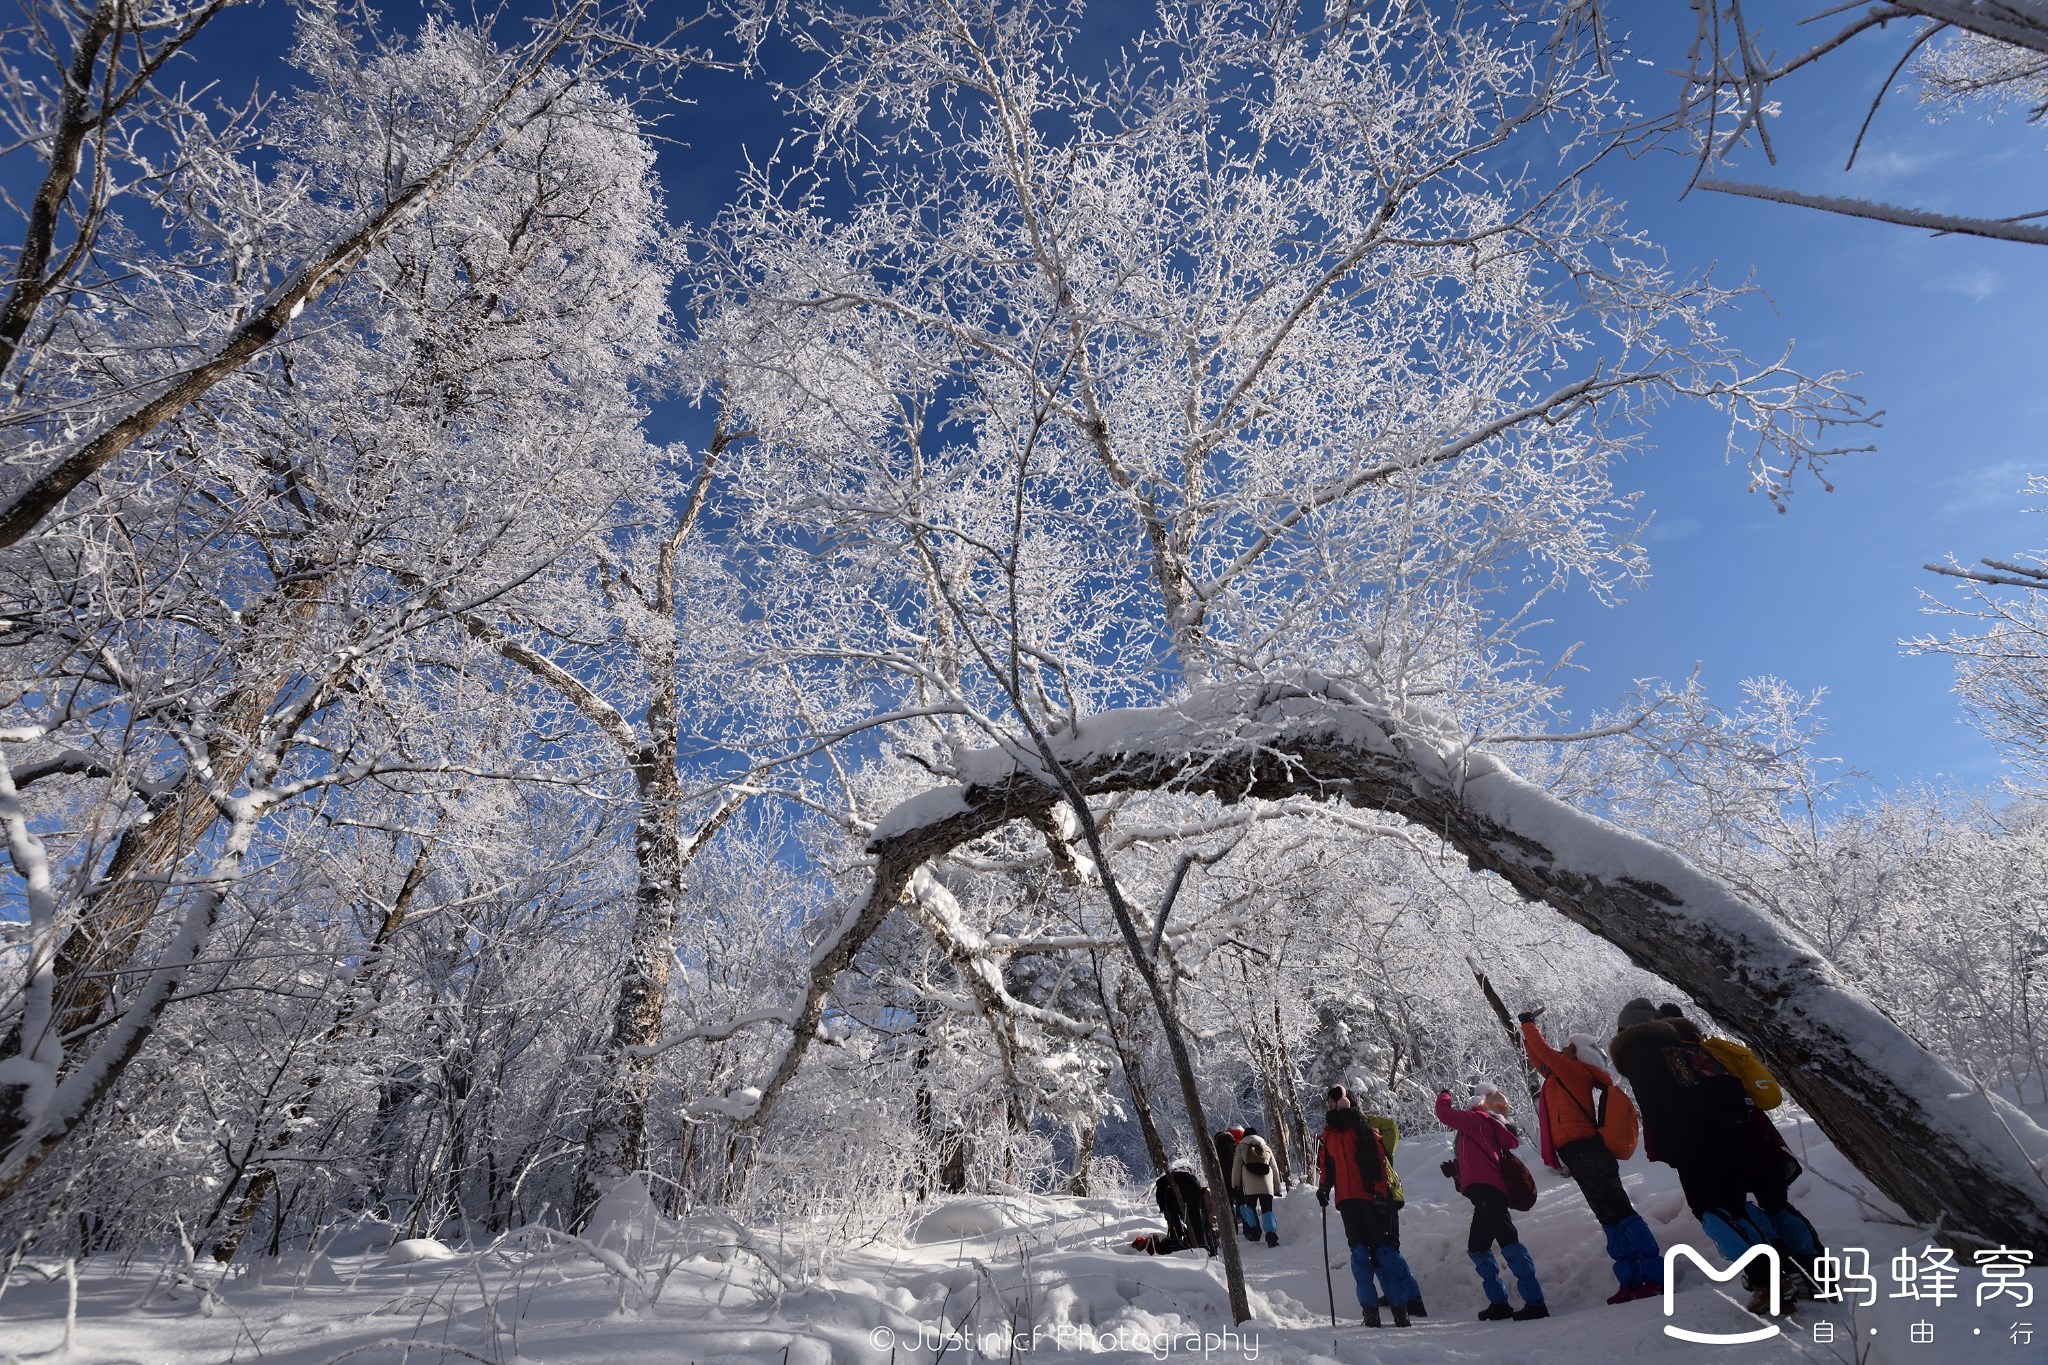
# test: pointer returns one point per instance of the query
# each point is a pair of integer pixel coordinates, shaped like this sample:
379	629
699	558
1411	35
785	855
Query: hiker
1352	1165
1390	1138
1257	1182
1476	1167
1226	1162
1185	1203
1700	1116
1590	1126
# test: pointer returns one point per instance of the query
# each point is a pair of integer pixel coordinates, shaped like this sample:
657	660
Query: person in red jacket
1574	1092
1482	1137
1351	1164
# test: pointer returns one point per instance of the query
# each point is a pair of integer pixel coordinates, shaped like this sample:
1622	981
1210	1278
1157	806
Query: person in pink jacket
1482	1136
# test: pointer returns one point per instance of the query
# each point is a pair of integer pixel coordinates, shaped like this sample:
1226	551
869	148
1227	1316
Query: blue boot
1760	1225
1524	1265
1646	1258
1622	1254
1361	1276
1794	1233
1396	1276
1730	1233
1489	1280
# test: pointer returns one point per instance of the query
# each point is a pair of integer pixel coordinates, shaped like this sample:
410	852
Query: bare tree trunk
359	988
1134	1081
1298	1125
1084	1155
618	1123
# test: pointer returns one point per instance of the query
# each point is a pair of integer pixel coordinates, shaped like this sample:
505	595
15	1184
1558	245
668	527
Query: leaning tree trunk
1945	1152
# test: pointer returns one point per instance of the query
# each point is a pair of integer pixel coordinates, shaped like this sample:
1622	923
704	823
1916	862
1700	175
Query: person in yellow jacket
1743	1065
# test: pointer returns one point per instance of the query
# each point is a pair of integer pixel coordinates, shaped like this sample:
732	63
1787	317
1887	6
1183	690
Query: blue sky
1947	335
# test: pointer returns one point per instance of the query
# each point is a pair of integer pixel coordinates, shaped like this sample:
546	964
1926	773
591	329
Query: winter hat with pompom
1586	1048
1636	1011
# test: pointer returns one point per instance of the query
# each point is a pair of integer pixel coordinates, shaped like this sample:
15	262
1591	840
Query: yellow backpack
1746	1067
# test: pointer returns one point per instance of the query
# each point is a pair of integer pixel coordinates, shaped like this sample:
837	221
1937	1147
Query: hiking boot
1272	1239
1529	1312
1648	1289
1496	1312
1250	1234
1400	1317
1760	1301
1372	1315
1416	1310
1628	1293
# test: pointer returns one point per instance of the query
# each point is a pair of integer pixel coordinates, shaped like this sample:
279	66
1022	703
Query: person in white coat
1252	1172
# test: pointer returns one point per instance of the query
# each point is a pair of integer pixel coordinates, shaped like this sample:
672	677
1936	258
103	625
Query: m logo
1672	1255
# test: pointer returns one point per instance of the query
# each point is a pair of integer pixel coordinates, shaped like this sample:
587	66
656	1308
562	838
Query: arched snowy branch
1945	1152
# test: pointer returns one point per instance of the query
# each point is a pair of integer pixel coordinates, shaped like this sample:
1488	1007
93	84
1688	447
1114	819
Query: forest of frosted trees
1078	668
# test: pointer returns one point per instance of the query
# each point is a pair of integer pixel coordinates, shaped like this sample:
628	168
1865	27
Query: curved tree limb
1945	1153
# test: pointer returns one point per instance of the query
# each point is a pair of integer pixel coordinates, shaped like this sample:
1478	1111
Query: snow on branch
1307	735
1997	229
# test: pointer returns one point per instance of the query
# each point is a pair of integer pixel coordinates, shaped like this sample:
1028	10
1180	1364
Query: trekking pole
1328	1283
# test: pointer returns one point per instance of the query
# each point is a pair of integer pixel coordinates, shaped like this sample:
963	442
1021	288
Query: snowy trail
976	1276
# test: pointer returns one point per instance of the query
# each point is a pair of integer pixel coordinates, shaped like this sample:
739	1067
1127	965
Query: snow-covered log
1948	1154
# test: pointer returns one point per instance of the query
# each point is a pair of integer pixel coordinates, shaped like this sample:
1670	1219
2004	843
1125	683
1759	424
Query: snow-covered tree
264	604
1288	319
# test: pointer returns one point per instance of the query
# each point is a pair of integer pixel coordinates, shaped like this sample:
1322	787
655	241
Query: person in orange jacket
1577	1095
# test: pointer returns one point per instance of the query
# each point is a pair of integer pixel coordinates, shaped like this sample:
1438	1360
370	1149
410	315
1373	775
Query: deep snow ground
1011	1278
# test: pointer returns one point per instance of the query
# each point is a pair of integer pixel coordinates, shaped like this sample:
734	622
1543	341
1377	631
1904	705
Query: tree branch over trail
1950	1157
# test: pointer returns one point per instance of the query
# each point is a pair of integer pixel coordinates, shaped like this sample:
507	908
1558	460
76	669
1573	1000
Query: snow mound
626	1216
961	1218
414	1249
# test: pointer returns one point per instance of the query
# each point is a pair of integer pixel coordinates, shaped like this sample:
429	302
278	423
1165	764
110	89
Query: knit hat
1636	1011
1586	1048
1236	1130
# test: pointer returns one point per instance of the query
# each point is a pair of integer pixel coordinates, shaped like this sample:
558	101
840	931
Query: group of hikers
1700	1105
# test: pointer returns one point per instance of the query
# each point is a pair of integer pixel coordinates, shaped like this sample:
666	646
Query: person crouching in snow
1483	1135
1590	1123
1351	1164
1257	1182
1185	1204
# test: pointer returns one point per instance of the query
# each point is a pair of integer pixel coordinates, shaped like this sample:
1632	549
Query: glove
1323	1195
1526	1017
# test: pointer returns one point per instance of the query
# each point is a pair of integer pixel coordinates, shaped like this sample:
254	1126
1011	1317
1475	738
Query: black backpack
1704	1091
